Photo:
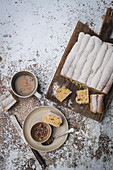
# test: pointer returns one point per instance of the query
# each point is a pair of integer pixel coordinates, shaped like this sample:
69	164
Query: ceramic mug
24	84
41	132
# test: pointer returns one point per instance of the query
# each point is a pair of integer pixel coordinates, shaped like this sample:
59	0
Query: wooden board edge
107	26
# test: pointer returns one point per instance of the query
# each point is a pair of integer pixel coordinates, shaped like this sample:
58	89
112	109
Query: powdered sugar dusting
55	87
94	103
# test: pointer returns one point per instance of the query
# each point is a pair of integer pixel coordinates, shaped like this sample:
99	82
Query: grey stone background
33	36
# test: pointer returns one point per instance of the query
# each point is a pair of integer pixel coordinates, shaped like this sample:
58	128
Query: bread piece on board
93	103
62	93
97	103
82	96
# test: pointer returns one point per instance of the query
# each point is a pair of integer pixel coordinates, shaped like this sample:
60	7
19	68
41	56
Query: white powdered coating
9	99
77	56
69	59
80	64
94	103
106	74
55	87
98	61
51	113
100	103
72	54
90	60
97	104
108	85
99	71
92	64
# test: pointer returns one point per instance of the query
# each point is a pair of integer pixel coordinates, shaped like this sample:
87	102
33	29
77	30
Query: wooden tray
60	80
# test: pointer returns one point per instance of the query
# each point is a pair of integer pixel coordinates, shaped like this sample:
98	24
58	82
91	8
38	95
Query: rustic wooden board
59	80
107	26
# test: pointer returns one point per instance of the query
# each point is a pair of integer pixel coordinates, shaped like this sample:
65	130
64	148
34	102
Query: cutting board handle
107	26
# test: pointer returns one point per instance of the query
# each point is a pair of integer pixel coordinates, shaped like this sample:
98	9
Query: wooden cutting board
58	80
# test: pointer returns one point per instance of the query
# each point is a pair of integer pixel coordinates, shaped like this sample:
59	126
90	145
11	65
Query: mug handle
38	95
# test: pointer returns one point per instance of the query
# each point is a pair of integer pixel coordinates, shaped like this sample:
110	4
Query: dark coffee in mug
24	84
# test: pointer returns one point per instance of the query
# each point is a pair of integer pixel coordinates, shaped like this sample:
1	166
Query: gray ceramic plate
37	115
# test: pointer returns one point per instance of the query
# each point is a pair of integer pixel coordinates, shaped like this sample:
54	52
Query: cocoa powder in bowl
41	132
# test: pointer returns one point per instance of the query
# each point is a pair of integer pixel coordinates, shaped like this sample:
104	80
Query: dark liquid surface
24	84
40	132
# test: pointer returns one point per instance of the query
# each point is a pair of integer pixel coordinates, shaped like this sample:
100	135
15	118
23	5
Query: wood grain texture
107	26
105	32
83	109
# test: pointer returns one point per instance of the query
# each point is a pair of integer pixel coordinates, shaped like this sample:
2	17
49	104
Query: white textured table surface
33	36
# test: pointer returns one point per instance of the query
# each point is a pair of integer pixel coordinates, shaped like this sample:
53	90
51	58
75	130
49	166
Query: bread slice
82	96
97	103
93	103
62	93
52	119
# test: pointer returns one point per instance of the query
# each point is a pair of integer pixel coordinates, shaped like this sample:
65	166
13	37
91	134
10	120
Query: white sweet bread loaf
52	119
90	63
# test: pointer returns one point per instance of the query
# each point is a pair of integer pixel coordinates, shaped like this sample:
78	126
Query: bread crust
97	103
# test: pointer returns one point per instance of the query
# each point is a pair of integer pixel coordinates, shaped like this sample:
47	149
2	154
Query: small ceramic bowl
41	132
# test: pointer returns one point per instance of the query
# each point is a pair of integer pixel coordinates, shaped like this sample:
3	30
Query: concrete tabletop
33	37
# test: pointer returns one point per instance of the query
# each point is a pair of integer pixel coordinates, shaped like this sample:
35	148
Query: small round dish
41	132
37	115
